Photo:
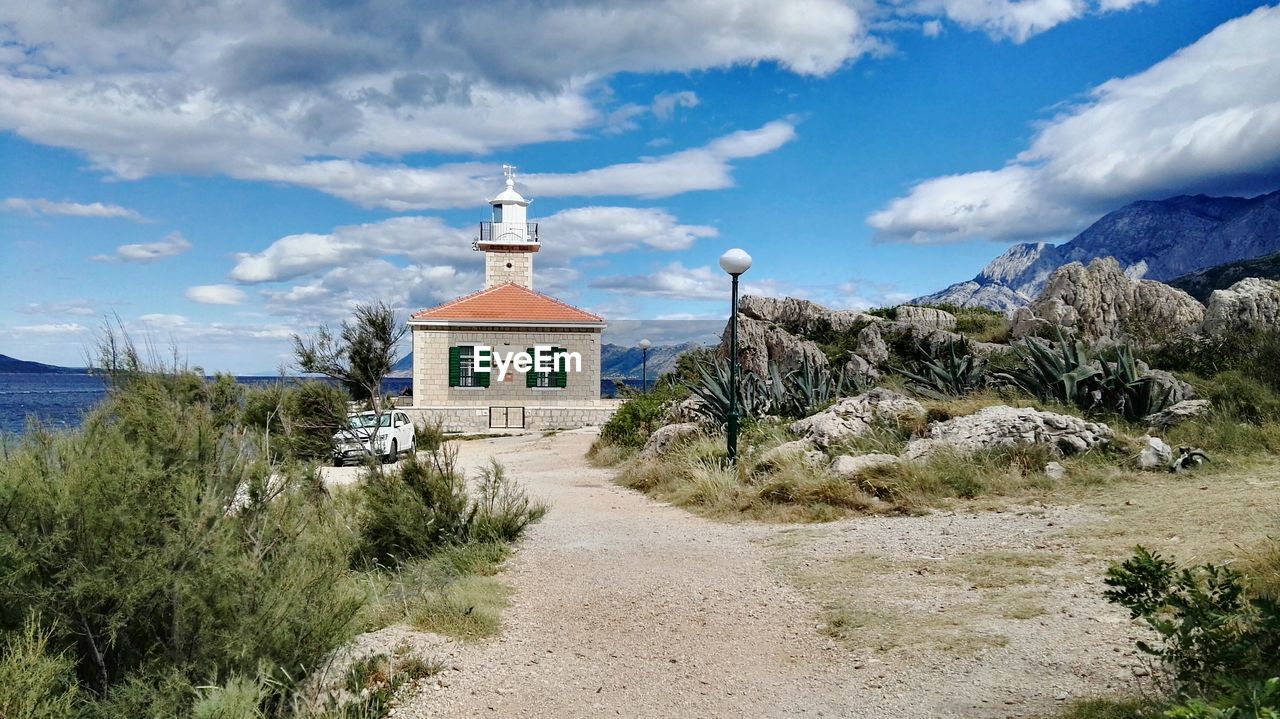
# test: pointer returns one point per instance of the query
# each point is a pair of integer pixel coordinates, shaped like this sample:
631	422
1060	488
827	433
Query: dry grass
455	592
605	454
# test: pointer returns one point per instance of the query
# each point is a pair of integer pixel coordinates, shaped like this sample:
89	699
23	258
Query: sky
217	176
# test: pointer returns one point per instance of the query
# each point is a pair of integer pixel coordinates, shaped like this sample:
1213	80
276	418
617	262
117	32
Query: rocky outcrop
871	346
1178	413
1178	390
925	317
1002	426
666	438
1100	302
797	315
1249	303
800	450
761	342
856	416
849	466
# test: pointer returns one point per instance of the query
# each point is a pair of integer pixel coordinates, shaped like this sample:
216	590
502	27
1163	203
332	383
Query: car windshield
363	421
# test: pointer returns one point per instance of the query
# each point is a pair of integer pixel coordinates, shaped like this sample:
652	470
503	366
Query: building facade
459	347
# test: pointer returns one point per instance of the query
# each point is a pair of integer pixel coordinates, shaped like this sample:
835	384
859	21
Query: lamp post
735	262
644	366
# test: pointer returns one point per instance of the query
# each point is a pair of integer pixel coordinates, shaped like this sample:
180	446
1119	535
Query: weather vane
510	172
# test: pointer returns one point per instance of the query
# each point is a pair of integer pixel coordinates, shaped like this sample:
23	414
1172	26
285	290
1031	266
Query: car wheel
337	461
395	450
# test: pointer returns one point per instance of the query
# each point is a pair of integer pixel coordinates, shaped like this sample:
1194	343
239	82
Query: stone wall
476	419
431	367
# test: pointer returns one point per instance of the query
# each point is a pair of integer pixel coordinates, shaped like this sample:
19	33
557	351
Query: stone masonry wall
476	419
431	368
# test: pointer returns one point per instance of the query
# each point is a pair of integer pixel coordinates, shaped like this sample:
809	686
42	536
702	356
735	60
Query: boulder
1156	454
1055	471
1249	303
925	317
856	416
683	412
849	466
1100	302
1003	426
666	438
797	450
871	345
1178	390
1178	413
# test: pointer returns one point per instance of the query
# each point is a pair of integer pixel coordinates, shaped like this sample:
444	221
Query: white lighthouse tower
509	240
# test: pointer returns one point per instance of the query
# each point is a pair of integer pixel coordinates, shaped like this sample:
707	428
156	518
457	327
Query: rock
761	342
1100	302
683	412
1249	303
1178	413
1003	426
799	449
925	317
797	315
848	466
871	345
1155	455
1178	390
855	416
668	437
861	369
1055	471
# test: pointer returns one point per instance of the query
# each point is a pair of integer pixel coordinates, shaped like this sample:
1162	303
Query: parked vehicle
360	438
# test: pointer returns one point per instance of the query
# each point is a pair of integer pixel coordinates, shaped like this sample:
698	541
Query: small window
467	366
497	213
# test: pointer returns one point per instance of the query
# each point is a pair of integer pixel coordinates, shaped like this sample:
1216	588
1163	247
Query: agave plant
1063	372
952	373
1126	391
713	389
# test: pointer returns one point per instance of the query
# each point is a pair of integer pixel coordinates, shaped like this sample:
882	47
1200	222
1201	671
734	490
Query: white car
393	435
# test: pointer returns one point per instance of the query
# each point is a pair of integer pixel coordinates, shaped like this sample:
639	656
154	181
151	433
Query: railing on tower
503	233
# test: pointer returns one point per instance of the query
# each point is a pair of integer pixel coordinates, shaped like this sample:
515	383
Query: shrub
1243	395
1212	637
36	682
422	507
296	420
162	551
640	415
953	371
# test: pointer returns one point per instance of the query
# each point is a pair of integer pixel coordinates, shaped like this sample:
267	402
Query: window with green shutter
546	380
462	362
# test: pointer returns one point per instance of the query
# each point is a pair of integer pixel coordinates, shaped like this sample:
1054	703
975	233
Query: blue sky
221	178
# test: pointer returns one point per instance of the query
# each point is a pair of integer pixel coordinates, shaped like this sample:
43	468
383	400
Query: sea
61	400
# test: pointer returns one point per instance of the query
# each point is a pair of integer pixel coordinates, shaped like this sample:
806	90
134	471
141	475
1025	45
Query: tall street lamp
644	366
735	262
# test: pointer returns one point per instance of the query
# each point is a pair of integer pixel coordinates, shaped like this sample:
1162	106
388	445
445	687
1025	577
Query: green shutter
530	377
455	366
482	378
560	379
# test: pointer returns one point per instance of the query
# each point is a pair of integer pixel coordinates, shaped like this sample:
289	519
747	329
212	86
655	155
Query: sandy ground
626	607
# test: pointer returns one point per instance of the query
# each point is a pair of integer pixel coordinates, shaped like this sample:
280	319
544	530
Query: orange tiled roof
506	303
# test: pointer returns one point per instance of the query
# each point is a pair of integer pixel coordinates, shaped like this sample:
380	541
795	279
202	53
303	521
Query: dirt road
626	607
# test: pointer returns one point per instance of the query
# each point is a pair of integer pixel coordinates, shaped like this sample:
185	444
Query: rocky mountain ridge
1156	240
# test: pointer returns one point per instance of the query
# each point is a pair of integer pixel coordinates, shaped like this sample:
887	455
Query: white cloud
931	28
1017	20
1204	120
37	206
216	294
81	308
172	245
401	187
230	88
57	328
677	282
428	241
665	103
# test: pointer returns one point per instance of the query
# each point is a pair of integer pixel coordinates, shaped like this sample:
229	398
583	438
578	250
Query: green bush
1215	640
640	415
422	507
1243	395
1254	352
296	420
162	552
36	682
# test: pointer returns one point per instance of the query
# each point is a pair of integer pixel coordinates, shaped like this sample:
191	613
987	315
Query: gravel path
626	607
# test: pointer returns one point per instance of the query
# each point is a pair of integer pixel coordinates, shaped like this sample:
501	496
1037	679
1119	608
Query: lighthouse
509	240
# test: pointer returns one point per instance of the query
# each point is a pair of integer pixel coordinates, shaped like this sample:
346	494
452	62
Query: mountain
616	361
1155	240
1201	284
9	365
619	362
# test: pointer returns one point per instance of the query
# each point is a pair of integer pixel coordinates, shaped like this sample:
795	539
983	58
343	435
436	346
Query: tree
360	356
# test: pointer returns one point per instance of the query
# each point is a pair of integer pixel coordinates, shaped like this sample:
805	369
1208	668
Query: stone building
460	347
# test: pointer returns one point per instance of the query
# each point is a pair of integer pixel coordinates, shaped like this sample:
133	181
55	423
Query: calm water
60	400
